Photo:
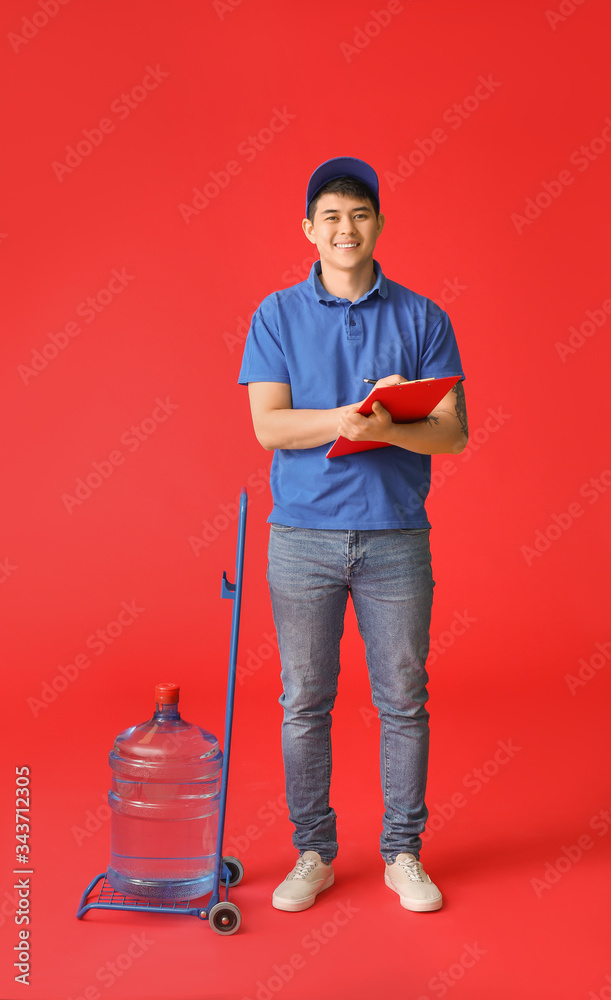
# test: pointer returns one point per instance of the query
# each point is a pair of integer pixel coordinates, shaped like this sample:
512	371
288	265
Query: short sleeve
440	356
263	359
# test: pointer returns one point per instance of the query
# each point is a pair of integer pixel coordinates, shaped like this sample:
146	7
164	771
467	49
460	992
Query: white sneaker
301	886
416	891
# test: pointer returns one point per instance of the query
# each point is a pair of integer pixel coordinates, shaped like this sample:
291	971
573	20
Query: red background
161	527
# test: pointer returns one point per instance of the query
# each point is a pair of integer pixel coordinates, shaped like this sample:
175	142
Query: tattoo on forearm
431	419
461	408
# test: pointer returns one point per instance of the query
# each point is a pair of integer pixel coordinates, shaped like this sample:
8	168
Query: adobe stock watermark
447	468
477	778
604	992
267	816
455	116
30	26
566	8
98	642
92	821
7	570
440	814
450	291
115	968
595	319
132	439
311	944
559	524
247	151
549	191
299	272
122	108
495	419
228	513
460	623
553	871
224	7
589	668
362	37
440	983
9	906
89	309
256	657
386	361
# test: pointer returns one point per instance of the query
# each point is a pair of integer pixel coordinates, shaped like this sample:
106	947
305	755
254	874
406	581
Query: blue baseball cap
343	166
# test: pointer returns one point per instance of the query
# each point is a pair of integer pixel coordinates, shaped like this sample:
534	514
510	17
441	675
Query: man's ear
381	221
308	229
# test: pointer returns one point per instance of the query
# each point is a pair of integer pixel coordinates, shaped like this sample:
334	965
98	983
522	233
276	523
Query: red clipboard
406	403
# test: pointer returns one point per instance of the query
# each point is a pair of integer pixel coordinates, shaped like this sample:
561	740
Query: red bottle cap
167	694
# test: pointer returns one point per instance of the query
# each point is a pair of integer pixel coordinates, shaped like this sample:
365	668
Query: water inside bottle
165	799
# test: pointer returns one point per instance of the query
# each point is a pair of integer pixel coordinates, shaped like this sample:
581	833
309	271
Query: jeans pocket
281	527
412	531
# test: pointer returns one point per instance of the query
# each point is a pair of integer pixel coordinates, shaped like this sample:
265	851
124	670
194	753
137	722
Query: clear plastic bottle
164	800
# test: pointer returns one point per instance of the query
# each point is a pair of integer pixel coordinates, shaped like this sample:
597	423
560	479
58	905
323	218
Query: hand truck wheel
236	869
225	918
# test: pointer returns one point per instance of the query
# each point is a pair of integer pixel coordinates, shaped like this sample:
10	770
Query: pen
372	381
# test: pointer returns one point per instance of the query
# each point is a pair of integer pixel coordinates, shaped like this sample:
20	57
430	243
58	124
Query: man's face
345	230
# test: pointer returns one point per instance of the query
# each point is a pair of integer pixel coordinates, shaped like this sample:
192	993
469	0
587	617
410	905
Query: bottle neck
167	713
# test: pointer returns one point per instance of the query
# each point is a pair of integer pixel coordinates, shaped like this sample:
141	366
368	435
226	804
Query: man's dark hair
344	186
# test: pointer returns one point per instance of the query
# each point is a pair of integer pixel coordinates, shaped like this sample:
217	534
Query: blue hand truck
224	917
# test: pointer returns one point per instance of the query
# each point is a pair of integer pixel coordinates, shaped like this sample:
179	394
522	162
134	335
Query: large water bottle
165	801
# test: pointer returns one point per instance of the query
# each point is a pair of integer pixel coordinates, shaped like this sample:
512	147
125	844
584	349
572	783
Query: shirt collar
324	296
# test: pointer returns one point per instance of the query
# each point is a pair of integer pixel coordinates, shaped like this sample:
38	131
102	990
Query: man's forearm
437	435
288	428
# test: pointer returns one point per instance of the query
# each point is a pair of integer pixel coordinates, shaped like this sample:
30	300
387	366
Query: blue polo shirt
323	347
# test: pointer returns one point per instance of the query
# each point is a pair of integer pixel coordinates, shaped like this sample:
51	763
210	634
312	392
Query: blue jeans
388	574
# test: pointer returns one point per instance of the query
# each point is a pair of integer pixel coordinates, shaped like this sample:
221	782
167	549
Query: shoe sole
295	905
417	905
